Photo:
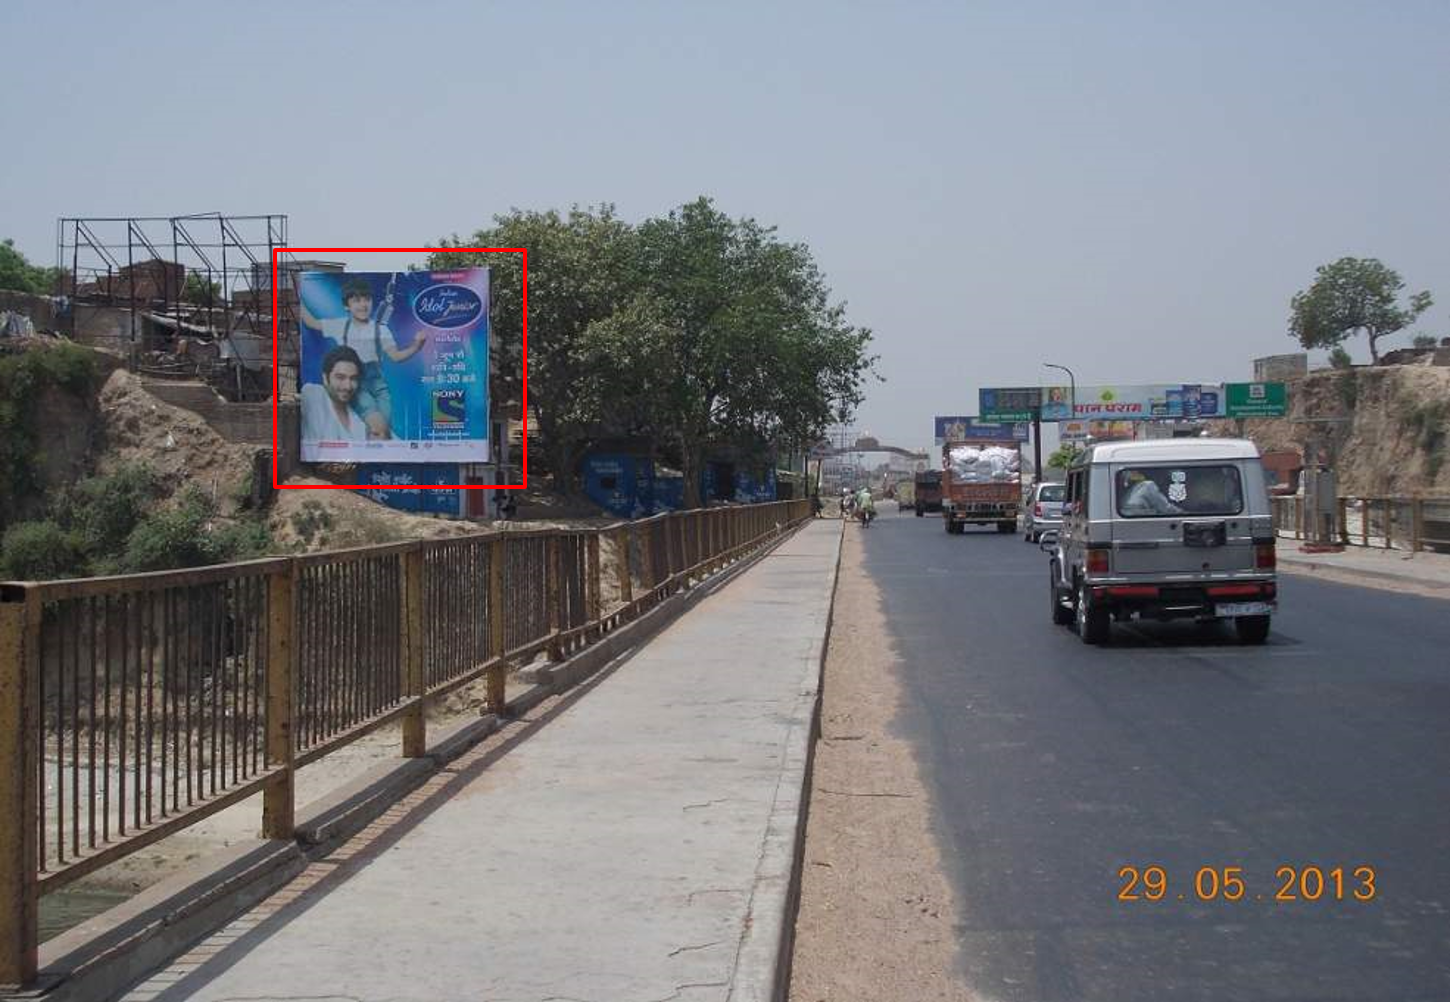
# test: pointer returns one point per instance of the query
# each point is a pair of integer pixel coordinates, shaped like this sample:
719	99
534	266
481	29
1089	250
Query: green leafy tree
1065	455
1423	341
17	274
200	292
579	273
1350	296
731	338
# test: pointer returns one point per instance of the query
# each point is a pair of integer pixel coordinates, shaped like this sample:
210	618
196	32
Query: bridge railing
1382	522
132	707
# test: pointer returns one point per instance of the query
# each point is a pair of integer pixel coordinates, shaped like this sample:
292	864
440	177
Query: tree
579	269
1423	341
1349	296
731	339
200	292
17	274
1065	455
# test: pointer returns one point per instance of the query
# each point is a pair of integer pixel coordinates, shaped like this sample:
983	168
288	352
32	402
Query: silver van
1165	529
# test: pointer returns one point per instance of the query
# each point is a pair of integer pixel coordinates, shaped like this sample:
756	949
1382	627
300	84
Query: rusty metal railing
132	707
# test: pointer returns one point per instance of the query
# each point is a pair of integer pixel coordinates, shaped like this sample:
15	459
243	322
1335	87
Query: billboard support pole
1037	446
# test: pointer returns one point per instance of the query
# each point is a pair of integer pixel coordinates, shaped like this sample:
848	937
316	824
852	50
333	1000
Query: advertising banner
394	366
1098	431
962	428
1133	403
418	481
1009	403
1256	400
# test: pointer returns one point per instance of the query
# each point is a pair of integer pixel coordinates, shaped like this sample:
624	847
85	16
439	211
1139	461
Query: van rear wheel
1252	629
1061	614
1093	625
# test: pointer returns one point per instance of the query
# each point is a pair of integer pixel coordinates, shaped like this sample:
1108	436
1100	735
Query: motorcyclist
866	504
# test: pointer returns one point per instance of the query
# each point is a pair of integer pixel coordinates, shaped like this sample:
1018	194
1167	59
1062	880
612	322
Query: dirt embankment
1391	433
177	443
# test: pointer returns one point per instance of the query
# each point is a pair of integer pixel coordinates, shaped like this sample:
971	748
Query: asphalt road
1053	765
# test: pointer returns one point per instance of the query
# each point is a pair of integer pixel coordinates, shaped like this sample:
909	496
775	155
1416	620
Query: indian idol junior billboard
394	366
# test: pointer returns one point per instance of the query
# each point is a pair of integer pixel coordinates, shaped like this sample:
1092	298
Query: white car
1044	510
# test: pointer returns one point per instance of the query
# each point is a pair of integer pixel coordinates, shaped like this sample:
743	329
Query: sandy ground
876	914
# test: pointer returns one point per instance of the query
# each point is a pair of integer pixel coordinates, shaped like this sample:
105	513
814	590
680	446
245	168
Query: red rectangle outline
524	410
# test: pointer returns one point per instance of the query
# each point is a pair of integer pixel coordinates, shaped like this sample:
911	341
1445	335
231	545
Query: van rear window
1052	492
1158	491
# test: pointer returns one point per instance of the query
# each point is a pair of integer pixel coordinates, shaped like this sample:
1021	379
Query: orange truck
981	484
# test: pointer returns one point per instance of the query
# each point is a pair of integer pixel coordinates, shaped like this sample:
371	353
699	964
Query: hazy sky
1133	190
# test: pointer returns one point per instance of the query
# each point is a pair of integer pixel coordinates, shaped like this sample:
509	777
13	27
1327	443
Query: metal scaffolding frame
140	265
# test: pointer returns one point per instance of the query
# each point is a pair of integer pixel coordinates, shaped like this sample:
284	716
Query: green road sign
1008	405
1244	400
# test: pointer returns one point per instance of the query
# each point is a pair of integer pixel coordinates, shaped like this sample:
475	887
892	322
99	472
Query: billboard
394	366
1244	400
1157	401
1009	403
961	428
1099	431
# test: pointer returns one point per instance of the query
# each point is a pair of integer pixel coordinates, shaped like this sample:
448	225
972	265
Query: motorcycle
865	516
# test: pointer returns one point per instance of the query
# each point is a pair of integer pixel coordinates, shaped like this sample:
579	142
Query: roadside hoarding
961	428
1133	403
413	486
1009	403
1098	431
1244	400
394	366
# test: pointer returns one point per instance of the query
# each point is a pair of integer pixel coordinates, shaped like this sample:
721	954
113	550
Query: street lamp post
1071	393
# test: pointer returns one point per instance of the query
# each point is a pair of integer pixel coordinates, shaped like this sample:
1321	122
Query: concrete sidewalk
641	846
1427	570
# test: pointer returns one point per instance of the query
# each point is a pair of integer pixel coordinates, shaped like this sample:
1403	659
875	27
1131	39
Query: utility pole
1071	393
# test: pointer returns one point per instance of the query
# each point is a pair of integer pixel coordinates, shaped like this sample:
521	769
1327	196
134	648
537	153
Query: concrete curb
763	959
98	958
1307	566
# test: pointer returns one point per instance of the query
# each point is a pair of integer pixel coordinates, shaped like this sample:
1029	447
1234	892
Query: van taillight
1265	557
1097	560
1037	511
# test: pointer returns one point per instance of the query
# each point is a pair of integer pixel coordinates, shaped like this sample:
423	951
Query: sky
1134	190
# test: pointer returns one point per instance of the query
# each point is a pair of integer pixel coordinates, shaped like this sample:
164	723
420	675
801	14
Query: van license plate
1232	609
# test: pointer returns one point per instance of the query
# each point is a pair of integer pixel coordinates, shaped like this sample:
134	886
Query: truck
926	492
981	483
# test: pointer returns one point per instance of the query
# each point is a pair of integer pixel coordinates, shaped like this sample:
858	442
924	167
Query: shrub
104	510
39	551
1347	385
1424	341
1339	358
22	377
1428	424
243	540
173	537
184	536
311	521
